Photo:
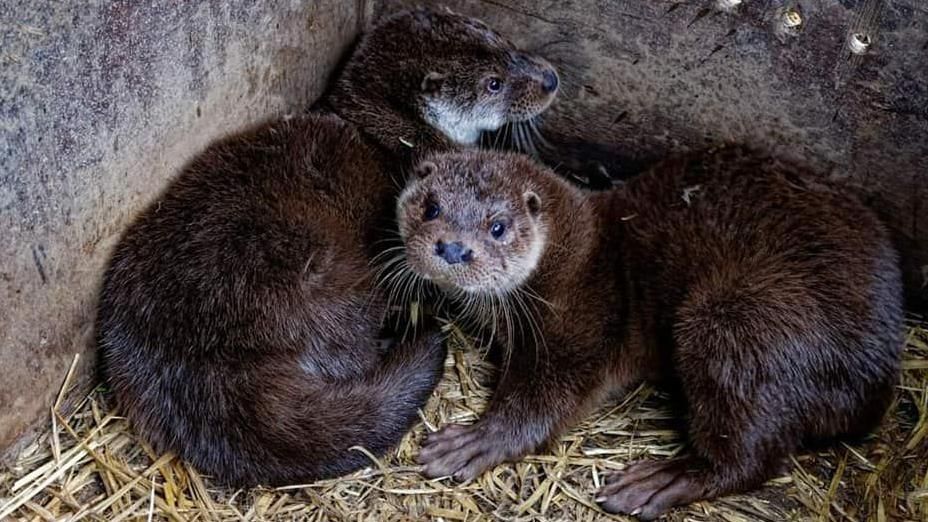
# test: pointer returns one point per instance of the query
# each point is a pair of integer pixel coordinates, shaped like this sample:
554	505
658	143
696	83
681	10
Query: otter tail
310	429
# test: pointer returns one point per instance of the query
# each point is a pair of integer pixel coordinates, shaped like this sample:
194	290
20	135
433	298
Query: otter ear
533	202
425	169
432	82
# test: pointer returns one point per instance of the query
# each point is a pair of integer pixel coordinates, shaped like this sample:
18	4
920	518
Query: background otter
771	305
239	322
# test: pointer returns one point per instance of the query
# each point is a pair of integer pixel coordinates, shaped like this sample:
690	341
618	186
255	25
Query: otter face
468	224
469	78
462	102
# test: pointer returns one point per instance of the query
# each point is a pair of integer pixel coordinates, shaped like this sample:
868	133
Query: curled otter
768	302
240	323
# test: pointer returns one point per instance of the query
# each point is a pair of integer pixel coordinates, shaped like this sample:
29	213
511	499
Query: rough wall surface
644	78
100	103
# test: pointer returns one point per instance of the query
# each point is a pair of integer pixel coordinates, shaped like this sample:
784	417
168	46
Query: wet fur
768	302
240	320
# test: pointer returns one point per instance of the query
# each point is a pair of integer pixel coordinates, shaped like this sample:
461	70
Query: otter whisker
406	296
491	139
531	293
537	332
393	287
396	279
533	136
540	141
387	251
539	137
468	305
439	305
502	137
384	283
420	299
404	305
507	350
399	184
528	147
388	269
476	316
515	143
507	311
512	323
494	321
529	141
407	308
383	271
523	316
517	319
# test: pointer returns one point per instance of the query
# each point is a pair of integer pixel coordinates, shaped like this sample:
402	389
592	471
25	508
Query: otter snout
534	83
541	70
454	253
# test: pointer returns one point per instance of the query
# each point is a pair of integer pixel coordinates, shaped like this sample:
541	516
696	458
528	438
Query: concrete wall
644	78
100	103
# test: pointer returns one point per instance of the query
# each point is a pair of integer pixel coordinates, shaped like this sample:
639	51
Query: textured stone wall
644	78
100	103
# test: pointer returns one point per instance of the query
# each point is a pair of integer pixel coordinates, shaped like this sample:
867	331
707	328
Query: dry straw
91	466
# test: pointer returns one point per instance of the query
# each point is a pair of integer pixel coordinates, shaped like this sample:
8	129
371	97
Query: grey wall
100	103
644	78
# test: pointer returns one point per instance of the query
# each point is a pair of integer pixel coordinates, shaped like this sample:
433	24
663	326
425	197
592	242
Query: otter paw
462	452
648	489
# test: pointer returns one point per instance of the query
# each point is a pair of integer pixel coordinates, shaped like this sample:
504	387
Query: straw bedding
90	465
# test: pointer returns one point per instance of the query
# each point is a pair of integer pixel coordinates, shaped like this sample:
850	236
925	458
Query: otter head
453	73
473	221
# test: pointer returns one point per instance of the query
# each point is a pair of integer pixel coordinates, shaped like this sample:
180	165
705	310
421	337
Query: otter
240	323
768	302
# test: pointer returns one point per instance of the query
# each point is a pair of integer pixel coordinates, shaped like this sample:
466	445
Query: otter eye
497	229
494	84
432	210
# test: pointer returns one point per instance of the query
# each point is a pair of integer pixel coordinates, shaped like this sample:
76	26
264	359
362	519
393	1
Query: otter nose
549	81
453	253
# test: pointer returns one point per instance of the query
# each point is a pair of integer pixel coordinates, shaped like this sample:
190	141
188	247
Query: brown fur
769	302
240	323
436	58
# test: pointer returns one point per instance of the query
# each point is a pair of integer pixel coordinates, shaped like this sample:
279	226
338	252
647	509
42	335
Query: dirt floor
91	466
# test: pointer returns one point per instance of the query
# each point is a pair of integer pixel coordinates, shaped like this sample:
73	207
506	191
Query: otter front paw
464	452
650	488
